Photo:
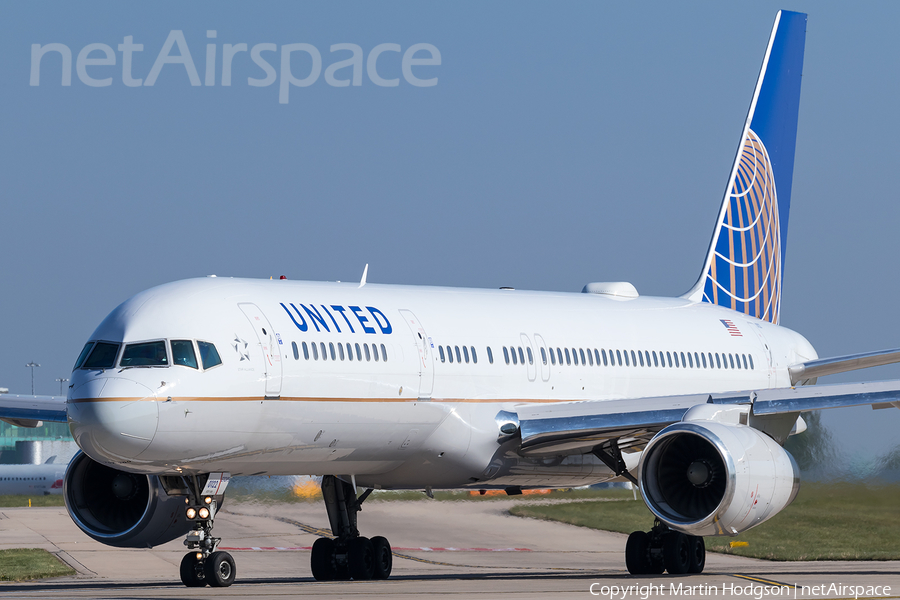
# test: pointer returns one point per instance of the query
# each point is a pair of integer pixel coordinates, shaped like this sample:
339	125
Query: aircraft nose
113	418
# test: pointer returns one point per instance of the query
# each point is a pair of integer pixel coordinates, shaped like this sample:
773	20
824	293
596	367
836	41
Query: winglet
362	281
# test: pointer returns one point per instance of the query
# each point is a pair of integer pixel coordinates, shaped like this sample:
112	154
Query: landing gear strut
204	565
661	549
348	555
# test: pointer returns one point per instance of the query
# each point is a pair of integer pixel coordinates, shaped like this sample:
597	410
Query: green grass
838	521
18	501
30	563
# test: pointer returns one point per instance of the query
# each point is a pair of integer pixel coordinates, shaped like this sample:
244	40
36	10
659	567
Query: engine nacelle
710	478
121	509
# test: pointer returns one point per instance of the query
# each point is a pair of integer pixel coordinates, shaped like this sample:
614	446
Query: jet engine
710	478
121	509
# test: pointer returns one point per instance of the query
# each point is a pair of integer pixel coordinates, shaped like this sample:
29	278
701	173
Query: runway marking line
766	581
422	549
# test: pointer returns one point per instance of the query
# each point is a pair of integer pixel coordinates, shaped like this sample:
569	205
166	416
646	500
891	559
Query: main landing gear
348	555
204	565
662	549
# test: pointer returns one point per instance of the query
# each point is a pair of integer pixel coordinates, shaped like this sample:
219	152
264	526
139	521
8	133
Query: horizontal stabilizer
842	364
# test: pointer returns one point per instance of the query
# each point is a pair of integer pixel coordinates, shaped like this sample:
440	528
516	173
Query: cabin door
269	345
425	351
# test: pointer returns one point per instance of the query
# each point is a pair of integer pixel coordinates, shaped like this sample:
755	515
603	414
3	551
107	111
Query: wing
31	411
588	426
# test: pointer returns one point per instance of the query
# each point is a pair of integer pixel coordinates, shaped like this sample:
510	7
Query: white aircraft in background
32	480
407	387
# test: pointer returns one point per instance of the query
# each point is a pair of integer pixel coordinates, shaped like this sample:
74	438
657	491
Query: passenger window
349	351
655	359
449	353
521	356
458	357
690	360
305	351
375	352
506	354
183	353
590	358
147	354
383	353
530	356
731	360
466	353
597	356
718	363
697	360
441	352
568	358
603	353
83	355
552	357
366	349
490	355
683	363
677	364
543	355
559	356
315	349
751	361
619	357
574	356
358	353
474	356
641	356
514	357
331	347
293	347
703	356
341	350
581	354
209	356
324	350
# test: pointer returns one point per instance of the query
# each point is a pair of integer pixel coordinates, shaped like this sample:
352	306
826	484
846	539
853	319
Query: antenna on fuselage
362	281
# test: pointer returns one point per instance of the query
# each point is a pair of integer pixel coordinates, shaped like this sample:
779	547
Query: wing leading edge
32	411
581	427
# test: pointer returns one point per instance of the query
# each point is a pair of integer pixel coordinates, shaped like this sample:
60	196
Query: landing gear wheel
192	574
637	558
384	559
361	558
676	553
219	569
321	560
697	549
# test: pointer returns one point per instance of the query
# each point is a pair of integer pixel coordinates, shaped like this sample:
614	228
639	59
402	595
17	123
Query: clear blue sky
563	143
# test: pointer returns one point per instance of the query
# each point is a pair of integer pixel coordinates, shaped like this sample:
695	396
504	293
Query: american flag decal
732	328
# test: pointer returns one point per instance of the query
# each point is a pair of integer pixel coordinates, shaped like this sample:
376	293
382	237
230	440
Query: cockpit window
183	353
146	354
209	356
103	356
83	355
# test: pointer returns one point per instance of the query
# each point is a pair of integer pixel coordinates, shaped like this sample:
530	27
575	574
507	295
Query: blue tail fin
745	263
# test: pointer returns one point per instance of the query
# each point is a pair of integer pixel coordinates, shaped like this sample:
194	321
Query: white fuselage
26	480
414	418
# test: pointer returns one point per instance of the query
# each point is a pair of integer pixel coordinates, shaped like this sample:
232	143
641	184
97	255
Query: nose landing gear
204	565
349	555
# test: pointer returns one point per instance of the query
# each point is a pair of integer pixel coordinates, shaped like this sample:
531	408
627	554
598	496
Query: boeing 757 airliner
403	387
